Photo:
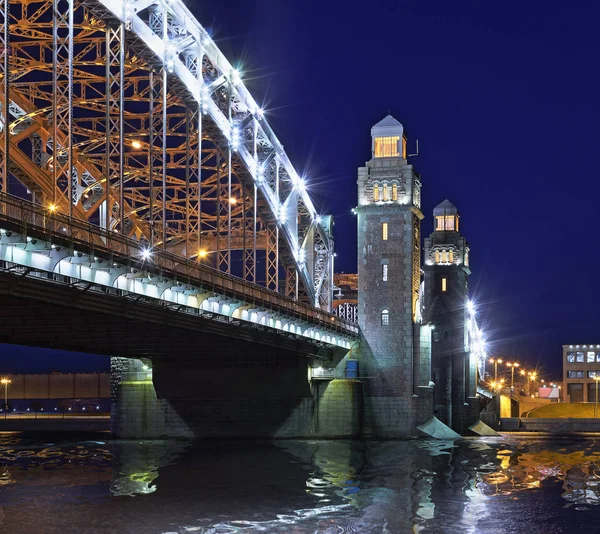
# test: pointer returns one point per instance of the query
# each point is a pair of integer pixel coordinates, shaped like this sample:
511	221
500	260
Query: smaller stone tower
446	267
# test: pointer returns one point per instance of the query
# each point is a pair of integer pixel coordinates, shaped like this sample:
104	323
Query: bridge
149	212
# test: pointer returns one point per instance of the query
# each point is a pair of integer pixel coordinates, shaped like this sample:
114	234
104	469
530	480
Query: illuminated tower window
385	193
384	231
394	192
385	317
445	222
437	257
403	147
386	147
444	282
451	256
375	193
385	272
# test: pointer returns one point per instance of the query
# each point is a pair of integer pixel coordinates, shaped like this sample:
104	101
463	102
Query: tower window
385	317
386	147
444	222
403	147
384	273
384	231
451	256
444	284
437	256
394	191
385	193
375	193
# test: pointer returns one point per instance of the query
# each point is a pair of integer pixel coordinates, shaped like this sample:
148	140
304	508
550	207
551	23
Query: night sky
503	99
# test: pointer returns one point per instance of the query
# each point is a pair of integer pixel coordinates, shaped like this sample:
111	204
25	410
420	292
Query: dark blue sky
503	99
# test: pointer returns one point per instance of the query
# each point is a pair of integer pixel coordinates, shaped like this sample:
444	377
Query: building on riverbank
57	392
581	366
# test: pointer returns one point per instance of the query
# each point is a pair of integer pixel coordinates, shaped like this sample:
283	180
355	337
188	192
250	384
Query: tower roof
446	208
387	122
388	126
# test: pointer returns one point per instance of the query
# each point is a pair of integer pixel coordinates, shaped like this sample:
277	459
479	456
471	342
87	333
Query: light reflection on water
514	483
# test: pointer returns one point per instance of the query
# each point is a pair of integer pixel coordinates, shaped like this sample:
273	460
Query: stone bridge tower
446	267
395	357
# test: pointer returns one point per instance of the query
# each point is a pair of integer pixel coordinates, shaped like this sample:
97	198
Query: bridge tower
395	350
446	258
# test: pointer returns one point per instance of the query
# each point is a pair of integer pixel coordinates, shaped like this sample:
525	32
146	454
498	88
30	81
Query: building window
444	222
574	374
591	357
451	256
579	357
385	317
403	147
375	193
384	272
437	256
570	357
593	374
394	191
384	234
386	147
385	193
443	284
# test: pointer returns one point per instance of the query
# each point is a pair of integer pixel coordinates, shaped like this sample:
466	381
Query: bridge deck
27	219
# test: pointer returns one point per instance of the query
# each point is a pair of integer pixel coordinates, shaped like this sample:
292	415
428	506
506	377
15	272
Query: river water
89	484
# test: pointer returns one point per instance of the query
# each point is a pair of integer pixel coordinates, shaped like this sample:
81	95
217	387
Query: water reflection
486	486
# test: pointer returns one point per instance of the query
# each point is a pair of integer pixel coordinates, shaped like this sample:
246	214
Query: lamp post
533	377
495	361
596	378
512	374
5	381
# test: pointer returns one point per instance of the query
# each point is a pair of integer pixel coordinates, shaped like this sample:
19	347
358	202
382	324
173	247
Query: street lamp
512	374
495	361
596	378
5	381
533	377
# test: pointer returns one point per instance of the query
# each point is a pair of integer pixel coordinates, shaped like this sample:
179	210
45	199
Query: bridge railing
57	228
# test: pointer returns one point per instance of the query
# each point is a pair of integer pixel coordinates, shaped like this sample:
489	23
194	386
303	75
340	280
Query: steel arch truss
127	115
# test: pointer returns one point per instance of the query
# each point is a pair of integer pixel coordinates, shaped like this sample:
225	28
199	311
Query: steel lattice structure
127	115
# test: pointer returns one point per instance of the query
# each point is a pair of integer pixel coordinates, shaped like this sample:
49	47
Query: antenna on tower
416	153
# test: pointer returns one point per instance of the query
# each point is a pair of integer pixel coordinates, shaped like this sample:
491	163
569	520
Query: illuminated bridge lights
149	278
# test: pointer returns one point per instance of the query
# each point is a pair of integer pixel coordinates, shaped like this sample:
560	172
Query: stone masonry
446	268
395	346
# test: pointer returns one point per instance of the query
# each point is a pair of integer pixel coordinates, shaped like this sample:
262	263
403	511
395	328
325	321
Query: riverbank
55	423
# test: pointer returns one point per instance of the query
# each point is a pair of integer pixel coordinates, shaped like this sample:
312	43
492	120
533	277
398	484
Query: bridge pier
255	392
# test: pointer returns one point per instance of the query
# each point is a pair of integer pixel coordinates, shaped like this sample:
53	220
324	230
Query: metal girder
4	91
114	166
126	114
62	113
